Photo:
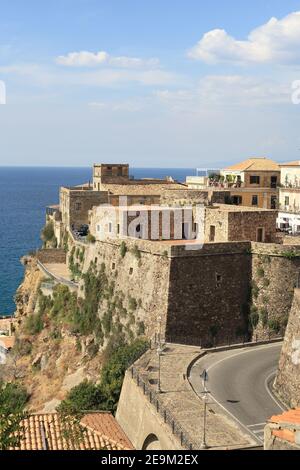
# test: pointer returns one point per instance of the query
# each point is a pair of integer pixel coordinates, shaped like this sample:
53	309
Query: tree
13	398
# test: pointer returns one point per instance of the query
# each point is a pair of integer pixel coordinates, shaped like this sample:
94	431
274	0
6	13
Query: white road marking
269	391
247	350
256	425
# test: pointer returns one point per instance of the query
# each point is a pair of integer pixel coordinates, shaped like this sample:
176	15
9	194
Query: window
113	266
254	179
212	233
254	200
286	201
274	182
110	227
78	206
118	229
237	200
273	202
260	235
131	271
98	228
218	280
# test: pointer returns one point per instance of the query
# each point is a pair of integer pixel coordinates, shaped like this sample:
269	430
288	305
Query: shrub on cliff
48	235
84	397
113	372
13	398
123	249
105	396
34	324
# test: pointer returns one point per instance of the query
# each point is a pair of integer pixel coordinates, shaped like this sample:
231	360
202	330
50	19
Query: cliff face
288	378
50	362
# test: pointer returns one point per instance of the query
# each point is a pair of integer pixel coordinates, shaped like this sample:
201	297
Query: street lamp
204	377
159	354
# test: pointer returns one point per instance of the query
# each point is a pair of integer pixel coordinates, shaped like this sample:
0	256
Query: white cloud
277	41
131	106
91	59
224	91
107	77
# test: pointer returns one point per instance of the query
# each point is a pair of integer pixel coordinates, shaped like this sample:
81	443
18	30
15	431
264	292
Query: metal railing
59	279
177	430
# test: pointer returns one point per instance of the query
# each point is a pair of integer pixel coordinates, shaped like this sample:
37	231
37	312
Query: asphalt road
239	382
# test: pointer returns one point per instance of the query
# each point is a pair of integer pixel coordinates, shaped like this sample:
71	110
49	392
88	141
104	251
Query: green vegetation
105	396
90	238
136	252
132	304
34	324
260	272
123	249
264	317
290	254
274	325
84	397
13	399
254	290
254	319
48	235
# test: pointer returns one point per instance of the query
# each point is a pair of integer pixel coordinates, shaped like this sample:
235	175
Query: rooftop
49	432
7	341
255	164
288	164
233	208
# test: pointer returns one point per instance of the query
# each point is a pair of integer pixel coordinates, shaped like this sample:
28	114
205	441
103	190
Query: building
289	198
142	222
283	432
6	344
96	431
115	178
225	223
254	182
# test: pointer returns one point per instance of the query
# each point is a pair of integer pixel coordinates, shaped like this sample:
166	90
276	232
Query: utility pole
204	377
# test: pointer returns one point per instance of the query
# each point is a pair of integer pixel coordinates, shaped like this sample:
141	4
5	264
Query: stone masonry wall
287	383
51	256
142	274
209	295
275	274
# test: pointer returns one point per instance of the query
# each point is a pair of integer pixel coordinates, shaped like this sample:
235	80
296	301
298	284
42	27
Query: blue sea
24	195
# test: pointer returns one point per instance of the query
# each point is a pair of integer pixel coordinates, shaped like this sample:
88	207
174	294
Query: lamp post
159	353
204	377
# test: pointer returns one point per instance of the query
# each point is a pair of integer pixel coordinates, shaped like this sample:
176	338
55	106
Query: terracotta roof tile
255	164
290	417
97	431
7	341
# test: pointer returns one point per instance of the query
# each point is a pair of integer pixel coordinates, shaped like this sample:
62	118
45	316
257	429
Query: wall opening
151	443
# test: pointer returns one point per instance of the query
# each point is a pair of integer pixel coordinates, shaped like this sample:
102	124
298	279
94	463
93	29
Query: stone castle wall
287	383
205	296
50	256
275	274
209	295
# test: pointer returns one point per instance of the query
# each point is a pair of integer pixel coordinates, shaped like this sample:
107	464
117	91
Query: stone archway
151	443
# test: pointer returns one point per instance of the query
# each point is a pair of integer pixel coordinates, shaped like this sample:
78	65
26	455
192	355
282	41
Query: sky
172	83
